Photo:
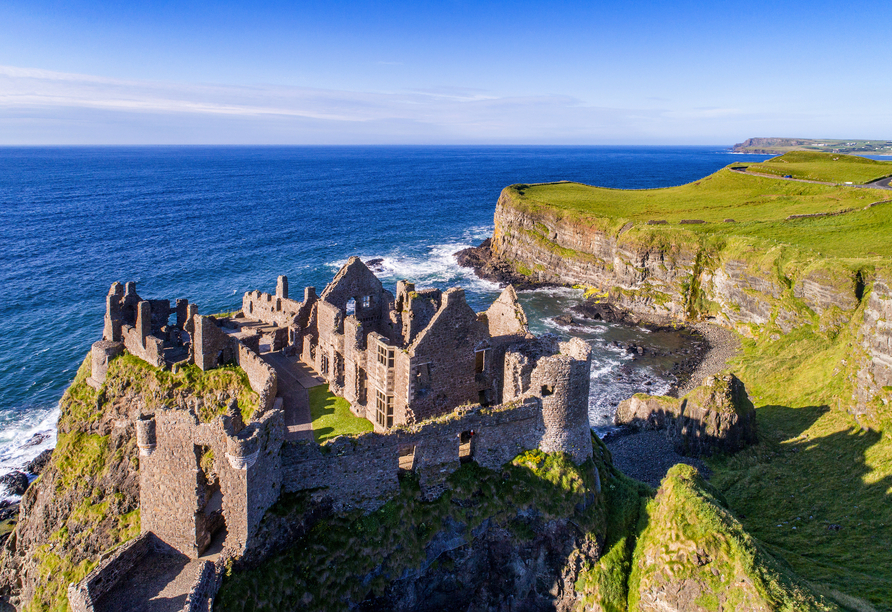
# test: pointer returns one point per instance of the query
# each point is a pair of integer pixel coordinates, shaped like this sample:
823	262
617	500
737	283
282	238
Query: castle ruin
441	383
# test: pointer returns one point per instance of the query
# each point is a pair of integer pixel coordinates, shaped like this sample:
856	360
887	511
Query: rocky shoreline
17	483
706	350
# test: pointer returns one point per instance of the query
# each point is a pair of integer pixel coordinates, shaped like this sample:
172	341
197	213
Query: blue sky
607	72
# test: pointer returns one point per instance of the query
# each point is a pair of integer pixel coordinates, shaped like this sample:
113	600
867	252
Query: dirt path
295	378
878	184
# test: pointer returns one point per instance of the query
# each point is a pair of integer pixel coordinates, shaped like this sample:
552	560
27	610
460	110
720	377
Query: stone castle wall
362	471
176	499
83	595
261	375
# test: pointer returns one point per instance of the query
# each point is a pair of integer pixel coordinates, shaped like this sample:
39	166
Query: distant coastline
779	146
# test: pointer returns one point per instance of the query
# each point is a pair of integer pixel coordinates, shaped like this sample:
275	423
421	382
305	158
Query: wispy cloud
296	114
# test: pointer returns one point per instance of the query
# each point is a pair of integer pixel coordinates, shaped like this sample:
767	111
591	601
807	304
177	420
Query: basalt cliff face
763	290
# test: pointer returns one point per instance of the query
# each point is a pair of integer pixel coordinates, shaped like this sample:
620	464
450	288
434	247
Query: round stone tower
102	352
562	381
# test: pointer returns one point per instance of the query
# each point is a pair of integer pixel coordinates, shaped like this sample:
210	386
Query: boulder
36	465
717	416
15	483
647	412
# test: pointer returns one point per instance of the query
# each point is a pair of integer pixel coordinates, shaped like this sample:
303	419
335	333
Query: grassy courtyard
332	417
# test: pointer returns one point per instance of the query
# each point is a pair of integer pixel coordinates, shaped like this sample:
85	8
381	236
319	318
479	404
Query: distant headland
778	146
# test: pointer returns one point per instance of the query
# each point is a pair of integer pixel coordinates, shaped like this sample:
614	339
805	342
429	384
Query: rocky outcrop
664	274
14	483
874	377
717	416
496	571
694	556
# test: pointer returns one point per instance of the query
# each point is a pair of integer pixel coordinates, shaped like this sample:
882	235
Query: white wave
436	265
17	446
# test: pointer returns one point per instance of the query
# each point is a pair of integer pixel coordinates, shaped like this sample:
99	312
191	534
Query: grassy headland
826	167
851	223
817	489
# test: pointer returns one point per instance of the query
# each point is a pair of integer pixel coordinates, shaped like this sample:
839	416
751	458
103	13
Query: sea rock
15	483
36	465
647	412
717	416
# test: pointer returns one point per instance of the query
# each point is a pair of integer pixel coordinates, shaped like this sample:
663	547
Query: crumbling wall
271	309
262	377
83	595
506	316
169	482
138	339
211	346
559	373
447	347
563	382
362	471
246	461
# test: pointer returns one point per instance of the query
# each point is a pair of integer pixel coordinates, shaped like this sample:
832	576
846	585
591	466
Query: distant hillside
777	146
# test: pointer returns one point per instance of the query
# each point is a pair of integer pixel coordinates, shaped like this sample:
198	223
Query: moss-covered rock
717	416
694	556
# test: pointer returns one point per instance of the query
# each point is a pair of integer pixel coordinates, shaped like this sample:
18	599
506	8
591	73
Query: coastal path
295	379
878	184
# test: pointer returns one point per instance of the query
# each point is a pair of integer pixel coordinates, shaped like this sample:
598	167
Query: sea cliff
667	272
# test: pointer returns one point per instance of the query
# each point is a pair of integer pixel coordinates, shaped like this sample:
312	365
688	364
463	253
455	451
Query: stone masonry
443	384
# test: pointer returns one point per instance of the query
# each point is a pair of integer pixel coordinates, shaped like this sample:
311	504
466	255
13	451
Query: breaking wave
24	435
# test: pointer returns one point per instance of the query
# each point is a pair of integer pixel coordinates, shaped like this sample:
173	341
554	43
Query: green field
827	167
817	489
758	206
830	145
332	417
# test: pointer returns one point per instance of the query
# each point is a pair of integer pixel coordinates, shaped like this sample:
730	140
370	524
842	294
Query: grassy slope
829	167
332	417
759	206
817	488
692	539
347	556
84	469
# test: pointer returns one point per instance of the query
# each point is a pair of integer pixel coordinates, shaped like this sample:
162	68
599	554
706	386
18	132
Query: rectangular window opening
466	446
407	460
383	409
385	355
481	361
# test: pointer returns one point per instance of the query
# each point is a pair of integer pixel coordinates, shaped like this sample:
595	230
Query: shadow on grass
488	541
816	490
331	416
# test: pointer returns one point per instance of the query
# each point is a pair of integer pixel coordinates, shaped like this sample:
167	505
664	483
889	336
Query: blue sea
209	223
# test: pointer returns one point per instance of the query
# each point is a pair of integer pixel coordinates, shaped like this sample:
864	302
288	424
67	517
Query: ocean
209	223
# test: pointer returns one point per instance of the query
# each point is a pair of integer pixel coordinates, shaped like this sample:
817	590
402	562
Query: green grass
692	538
346	557
332	417
759	206
828	167
815	468
604	584
725	194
